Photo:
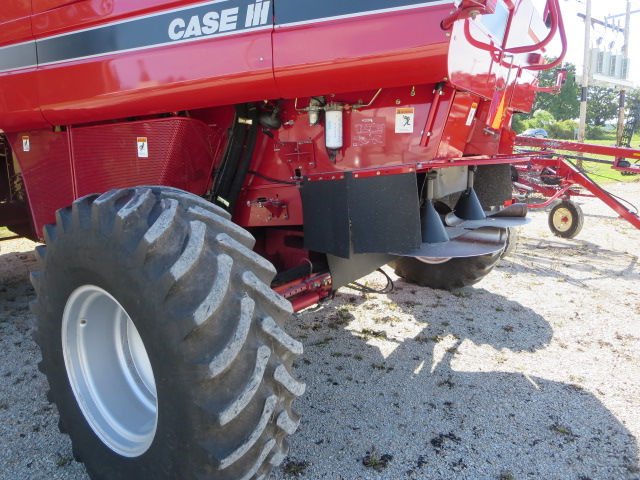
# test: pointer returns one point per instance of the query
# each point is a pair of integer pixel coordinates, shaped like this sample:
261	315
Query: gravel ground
532	374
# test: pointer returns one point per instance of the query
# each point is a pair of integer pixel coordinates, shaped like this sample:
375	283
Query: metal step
481	241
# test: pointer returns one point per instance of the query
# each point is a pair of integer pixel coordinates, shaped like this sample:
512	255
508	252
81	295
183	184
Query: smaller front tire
566	219
447	275
512	242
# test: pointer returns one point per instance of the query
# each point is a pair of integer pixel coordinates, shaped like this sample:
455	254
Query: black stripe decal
215	18
22	55
218	18
296	11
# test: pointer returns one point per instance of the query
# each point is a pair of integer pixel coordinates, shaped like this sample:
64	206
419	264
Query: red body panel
15	22
456	133
47	174
140	83
19	107
180	153
370	52
147	81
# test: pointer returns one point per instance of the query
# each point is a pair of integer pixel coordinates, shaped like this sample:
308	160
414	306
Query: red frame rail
550	146
570	176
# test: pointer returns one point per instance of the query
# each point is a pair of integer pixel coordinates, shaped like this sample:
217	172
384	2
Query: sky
574	27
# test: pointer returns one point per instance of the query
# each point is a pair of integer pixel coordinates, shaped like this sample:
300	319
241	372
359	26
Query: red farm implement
555	174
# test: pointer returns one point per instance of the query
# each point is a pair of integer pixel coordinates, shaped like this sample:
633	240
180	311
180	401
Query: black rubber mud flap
385	214
326	216
372	214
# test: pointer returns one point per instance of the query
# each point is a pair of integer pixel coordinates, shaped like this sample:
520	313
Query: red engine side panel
178	152
374	137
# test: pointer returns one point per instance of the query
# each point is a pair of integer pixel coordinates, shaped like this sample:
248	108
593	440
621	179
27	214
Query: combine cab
199	170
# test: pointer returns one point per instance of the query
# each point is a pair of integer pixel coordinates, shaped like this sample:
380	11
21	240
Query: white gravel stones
534	373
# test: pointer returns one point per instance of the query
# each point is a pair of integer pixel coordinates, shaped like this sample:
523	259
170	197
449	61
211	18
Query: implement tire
448	275
161	340
566	219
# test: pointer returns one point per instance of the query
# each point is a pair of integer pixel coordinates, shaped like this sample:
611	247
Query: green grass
5	232
601	172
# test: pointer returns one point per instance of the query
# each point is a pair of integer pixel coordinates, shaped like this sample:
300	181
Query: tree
632	103
564	105
603	104
542	119
633	96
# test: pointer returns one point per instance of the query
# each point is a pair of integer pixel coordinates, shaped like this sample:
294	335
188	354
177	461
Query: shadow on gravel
578	255
438	403
14	277
32	448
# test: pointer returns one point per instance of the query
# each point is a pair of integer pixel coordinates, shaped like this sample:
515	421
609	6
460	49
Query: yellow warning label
404	120
143	147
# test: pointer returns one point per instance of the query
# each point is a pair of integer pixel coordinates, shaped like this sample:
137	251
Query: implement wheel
161	340
566	219
446	274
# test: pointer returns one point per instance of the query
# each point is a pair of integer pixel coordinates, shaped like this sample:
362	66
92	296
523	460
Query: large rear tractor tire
446	275
161	340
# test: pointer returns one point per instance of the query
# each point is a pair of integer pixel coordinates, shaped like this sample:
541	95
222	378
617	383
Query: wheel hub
109	371
562	219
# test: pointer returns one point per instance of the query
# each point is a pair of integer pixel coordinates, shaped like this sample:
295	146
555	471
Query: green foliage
632	102
603	104
596	133
518	123
564	105
542	119
557	113
563	130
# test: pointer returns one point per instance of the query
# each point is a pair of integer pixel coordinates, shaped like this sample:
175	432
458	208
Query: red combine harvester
199	170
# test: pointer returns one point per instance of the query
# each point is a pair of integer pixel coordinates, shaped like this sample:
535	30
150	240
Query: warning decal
404	120
472	113
26	144
143	147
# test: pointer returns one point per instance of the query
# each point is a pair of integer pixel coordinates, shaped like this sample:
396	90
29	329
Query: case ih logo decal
207	19
225	20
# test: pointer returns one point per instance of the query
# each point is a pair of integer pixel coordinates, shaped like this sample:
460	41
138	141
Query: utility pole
623	92
586	70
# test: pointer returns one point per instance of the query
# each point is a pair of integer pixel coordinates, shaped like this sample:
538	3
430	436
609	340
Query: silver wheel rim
562	219
109	371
